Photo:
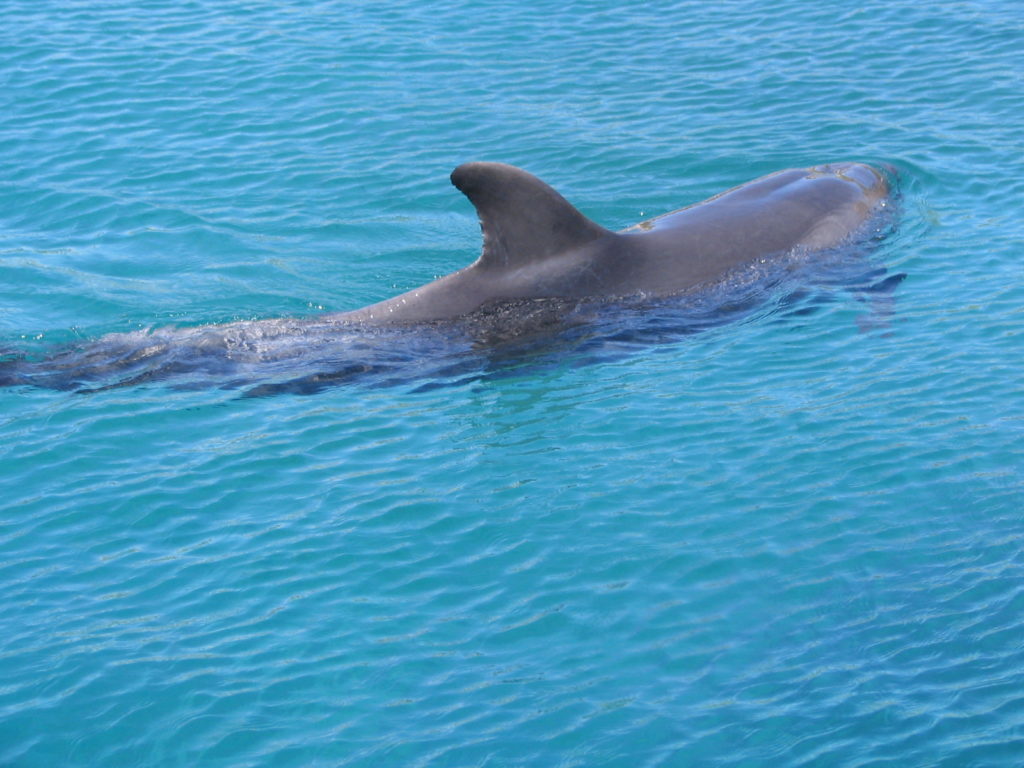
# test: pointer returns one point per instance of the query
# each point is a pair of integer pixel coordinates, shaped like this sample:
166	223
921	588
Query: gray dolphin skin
537	245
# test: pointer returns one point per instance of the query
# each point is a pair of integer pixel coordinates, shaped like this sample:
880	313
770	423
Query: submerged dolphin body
538	252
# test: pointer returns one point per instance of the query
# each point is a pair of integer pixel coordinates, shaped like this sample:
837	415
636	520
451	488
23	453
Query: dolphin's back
808	209
537	245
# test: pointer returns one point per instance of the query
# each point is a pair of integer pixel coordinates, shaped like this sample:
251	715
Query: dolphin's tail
12	369
20	370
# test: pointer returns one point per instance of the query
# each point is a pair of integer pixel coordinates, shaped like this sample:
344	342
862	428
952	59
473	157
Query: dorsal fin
523	219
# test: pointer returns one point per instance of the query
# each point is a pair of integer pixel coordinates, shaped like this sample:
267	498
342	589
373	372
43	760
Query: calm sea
792	540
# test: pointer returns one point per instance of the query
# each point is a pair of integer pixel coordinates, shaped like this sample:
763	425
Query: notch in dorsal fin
523	219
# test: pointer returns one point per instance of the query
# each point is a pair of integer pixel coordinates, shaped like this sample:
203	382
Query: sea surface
793	539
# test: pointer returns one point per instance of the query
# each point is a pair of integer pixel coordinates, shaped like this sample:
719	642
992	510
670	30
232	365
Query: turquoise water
795	539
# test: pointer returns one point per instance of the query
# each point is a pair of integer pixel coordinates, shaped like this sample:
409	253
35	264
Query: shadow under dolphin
547	279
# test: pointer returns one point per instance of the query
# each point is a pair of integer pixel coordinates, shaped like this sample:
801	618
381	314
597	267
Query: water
793	539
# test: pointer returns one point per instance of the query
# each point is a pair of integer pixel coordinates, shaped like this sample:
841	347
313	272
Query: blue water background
793	540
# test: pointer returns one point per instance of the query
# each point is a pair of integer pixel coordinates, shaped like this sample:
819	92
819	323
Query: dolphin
537	245
538	251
